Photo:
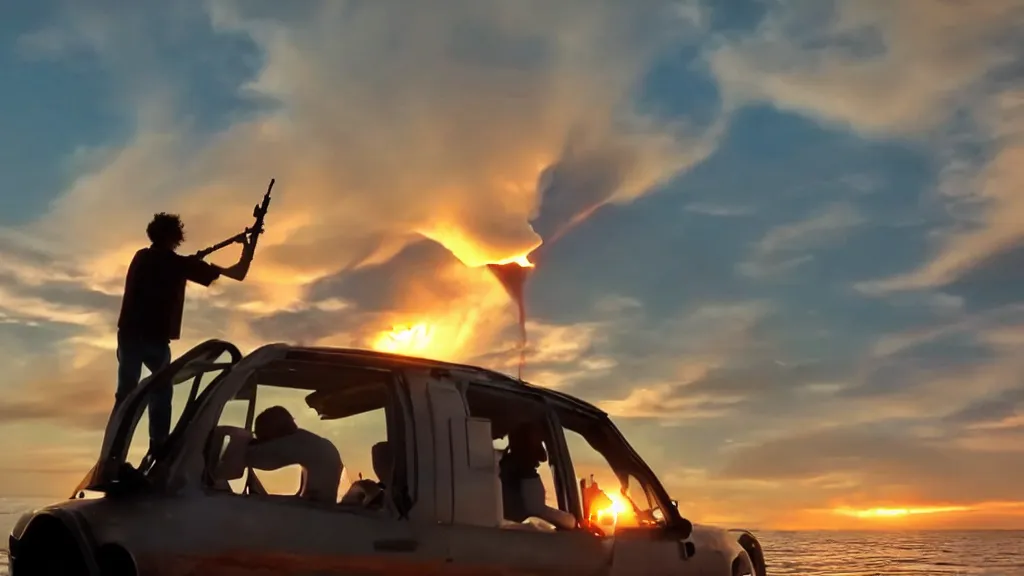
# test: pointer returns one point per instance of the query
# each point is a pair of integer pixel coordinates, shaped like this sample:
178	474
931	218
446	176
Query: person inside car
279	442
522	491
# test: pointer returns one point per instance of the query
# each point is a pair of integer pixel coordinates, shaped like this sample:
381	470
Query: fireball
406	339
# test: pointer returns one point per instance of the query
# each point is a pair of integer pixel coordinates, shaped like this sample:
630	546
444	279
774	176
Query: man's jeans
131	356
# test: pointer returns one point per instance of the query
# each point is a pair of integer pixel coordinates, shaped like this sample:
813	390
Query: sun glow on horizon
883	513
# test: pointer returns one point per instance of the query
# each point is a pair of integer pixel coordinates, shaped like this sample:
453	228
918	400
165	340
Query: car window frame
635	464
397	415
124	420
565	490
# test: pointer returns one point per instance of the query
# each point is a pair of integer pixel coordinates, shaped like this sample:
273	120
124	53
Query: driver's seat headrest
383	460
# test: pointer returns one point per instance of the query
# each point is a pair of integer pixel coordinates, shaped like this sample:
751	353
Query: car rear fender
51	523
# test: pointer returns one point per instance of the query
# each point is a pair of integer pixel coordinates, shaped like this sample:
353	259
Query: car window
525	498
545	471
646	504
234	414
606	505
352	436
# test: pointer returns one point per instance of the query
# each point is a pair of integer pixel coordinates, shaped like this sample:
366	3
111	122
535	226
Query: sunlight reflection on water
979	553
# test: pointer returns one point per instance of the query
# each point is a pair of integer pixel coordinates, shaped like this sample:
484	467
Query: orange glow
618	511
921	515
409	339
473	254
881	513
522	260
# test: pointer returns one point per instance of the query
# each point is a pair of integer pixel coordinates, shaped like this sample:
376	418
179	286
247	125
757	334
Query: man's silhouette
151	310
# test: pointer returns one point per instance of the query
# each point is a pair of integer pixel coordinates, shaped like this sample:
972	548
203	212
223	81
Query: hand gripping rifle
259	213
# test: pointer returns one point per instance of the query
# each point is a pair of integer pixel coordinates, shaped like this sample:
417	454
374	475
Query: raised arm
238	270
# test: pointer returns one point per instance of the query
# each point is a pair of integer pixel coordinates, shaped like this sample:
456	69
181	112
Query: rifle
259	213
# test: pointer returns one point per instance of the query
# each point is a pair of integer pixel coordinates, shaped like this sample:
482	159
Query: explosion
409	340
441	337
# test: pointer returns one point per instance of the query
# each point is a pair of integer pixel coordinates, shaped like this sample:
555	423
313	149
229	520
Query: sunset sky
781	242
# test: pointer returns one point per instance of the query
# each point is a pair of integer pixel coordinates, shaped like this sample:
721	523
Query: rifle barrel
255	230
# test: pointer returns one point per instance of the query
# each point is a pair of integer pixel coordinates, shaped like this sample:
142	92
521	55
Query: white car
438	505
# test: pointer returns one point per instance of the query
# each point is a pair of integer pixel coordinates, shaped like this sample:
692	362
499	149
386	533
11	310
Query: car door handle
398	545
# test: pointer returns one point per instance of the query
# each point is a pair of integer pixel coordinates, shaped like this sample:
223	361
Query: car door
654	552
288	536
256	533
109	472
523	550
284	534
528	552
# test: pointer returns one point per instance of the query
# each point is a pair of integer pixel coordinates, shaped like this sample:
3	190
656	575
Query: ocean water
939	553
981	553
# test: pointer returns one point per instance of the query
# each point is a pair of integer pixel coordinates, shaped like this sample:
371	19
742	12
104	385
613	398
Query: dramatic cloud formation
777	244
931	70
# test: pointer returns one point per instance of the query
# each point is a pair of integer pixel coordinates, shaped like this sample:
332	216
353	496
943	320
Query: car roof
385	360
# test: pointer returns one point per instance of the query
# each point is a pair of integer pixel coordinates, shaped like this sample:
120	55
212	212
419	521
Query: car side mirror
679	531
686	548
690	548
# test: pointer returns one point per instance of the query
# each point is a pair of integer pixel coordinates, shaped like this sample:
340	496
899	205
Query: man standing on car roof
151	310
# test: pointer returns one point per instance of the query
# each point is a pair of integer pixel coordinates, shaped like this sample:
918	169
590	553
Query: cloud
1002	411
720	210
34	470
32	308
409	143
786	247
990	198
670	363
557	355
75	388
873	66
476	124
885	466
942	71
919	381
670	401
989	326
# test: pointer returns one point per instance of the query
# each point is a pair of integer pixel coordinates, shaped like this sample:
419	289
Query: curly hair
166	230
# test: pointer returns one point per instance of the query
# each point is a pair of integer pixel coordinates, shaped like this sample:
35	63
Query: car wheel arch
48	537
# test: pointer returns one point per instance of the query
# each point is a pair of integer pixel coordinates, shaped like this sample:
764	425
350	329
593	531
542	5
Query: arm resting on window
270	455
534	502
